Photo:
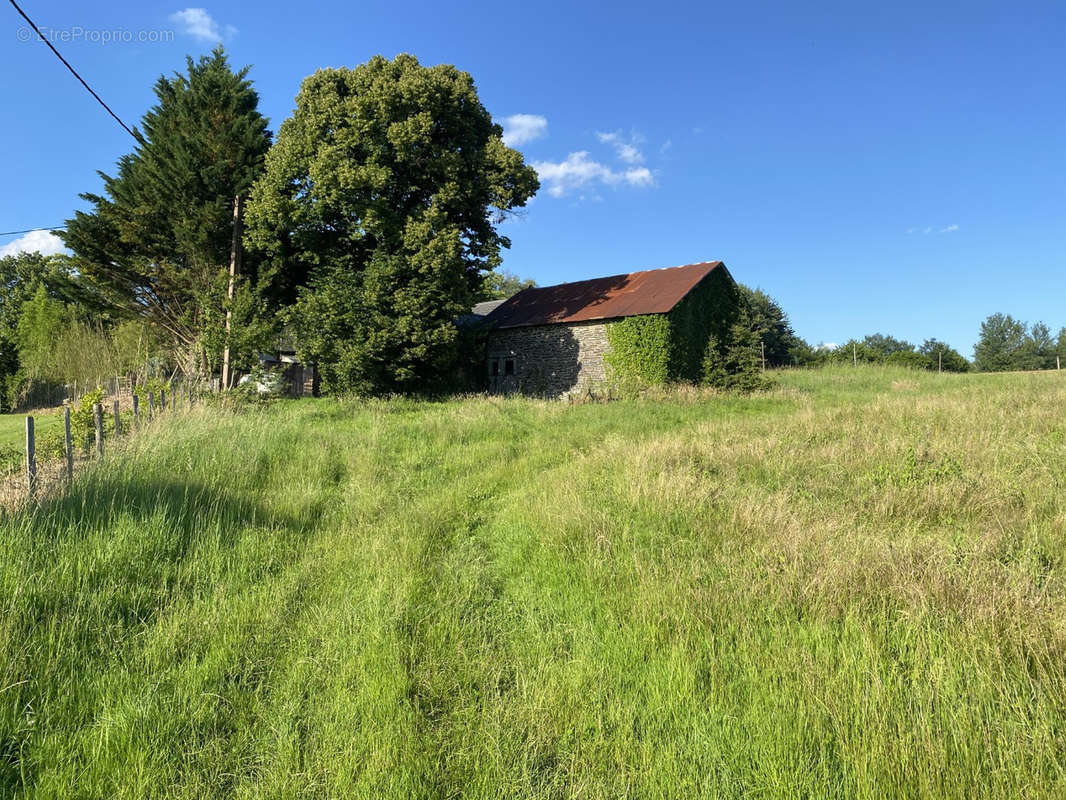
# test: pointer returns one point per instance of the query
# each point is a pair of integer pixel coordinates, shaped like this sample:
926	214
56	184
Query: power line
73	71
31	230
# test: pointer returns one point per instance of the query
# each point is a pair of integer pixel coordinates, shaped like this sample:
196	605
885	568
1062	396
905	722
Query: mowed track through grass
851	586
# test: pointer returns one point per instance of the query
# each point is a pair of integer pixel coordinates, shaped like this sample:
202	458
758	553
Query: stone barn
556	340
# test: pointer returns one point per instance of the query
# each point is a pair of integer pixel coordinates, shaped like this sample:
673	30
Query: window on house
495	368
508	367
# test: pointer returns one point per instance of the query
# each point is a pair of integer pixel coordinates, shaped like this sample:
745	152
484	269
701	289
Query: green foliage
878	348
883	346
55	346
712	336
384	189
82	419
152	386
1001	344
1006	343
253	329
918	468
134	344
12	459
41	324
640	351
1038	349
942	357
260	385
156	244
20	278
501	284
734	361
782	346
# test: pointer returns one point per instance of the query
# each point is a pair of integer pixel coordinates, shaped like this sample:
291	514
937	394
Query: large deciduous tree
384	189
157	243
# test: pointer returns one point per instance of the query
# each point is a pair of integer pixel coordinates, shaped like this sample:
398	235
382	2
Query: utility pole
940	360
854	355
234	268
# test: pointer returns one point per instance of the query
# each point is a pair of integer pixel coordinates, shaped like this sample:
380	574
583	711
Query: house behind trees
655	326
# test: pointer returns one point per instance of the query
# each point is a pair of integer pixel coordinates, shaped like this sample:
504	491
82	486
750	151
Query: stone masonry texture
548	360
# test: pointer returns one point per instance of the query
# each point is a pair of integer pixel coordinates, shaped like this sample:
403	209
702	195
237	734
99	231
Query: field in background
851	586
13	427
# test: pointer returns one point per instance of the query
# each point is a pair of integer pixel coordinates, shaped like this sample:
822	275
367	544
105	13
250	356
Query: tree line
1004	343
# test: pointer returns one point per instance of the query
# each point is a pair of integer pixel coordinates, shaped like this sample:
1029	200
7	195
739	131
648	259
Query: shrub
82	425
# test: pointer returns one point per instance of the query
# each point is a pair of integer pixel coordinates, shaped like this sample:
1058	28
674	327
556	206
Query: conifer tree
156	244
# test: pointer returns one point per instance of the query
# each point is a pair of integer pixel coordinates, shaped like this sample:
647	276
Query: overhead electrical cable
74	72
31	230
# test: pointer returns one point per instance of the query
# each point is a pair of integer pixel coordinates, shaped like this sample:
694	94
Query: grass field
13	427
851	586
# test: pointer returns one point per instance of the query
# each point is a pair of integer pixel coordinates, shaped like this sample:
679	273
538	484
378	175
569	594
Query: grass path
851	587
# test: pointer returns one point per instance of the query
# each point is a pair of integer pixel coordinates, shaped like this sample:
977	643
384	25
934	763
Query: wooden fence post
31	458
151	402
162	400
136	412
118	418
173	398
98	420
68	443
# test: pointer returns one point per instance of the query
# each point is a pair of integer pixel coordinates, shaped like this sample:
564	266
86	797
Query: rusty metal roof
652	291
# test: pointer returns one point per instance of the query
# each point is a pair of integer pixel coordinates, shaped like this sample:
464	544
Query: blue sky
893	167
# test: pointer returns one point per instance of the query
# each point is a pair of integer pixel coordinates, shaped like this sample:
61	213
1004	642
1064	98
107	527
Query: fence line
34	484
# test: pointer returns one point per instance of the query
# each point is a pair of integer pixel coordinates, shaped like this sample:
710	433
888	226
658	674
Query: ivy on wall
640	349
704	339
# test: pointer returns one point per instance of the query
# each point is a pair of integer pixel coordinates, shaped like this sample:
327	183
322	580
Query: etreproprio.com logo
76	33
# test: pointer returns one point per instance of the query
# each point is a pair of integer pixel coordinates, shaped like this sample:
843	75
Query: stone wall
547	360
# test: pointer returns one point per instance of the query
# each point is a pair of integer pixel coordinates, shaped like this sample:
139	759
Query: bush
82	424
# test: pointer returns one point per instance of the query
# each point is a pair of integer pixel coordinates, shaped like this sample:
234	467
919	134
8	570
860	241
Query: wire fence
51	454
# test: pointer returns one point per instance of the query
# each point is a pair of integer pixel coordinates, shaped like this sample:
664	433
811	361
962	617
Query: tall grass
849	587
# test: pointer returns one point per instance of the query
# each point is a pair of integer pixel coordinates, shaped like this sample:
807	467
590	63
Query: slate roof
486	308
652	291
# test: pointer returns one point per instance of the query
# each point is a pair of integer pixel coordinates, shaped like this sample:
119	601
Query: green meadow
850	586
13	427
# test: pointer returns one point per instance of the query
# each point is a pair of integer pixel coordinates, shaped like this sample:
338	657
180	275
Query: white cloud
43	242
522	128
196	22
930	229
579	170
626	150
827	346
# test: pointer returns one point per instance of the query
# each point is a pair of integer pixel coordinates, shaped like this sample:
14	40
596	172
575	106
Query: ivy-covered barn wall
663	348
